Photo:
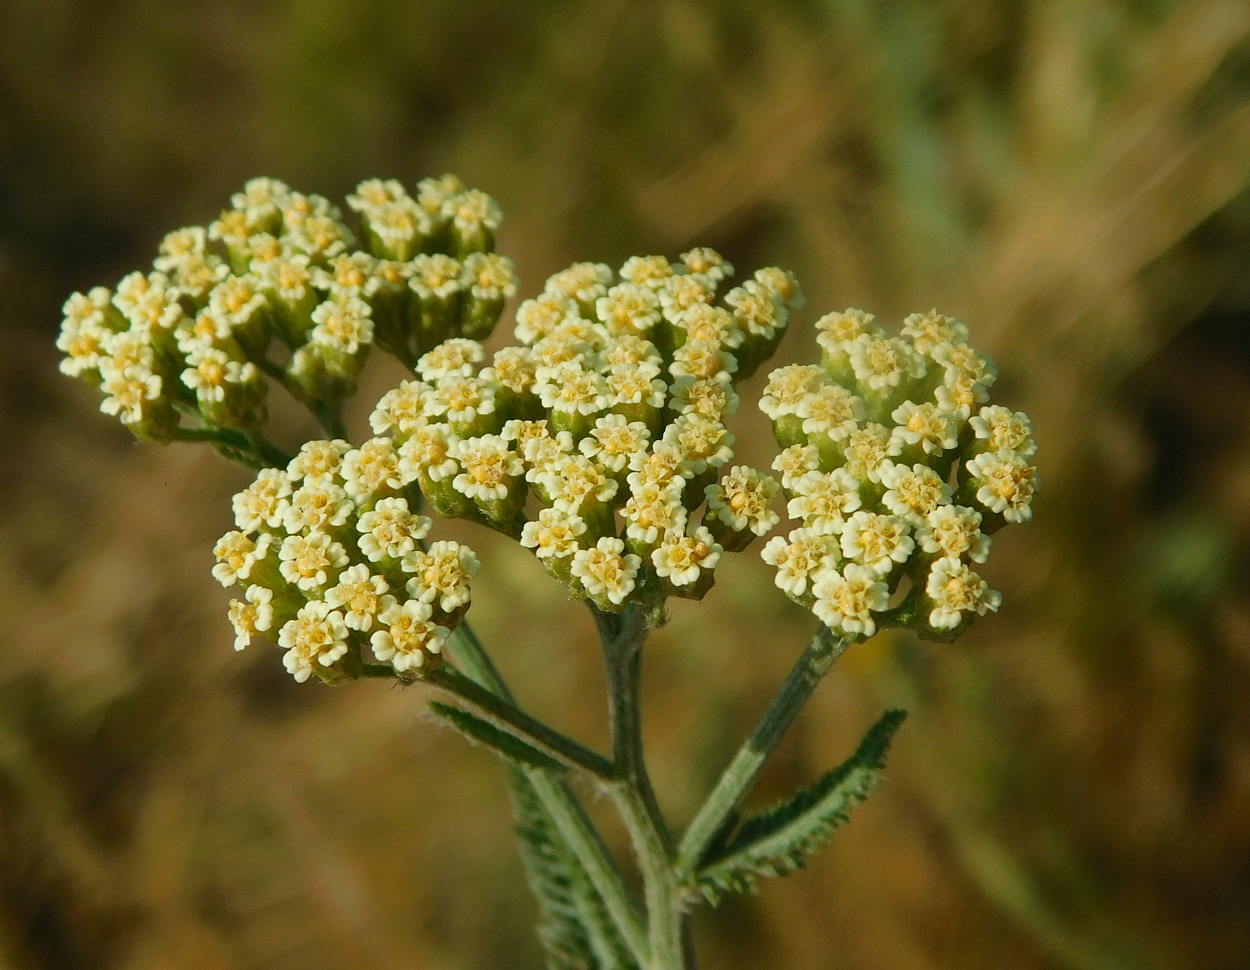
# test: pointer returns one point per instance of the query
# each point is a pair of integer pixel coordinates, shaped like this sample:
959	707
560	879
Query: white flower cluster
898	469
332	557
600	441
278	270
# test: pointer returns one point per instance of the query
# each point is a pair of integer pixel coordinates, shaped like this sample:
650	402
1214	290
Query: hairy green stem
507	717
567	815
622	637
736	781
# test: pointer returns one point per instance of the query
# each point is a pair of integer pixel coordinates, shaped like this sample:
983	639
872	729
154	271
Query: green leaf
574	927
508	745
778	841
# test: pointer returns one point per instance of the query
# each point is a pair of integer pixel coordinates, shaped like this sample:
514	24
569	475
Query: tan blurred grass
1074	787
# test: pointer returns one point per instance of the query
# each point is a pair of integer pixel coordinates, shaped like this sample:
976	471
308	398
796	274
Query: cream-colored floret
913	492
457	356
390	530
316	507
879	542
261	504
743	499
442	574
371	468
407	637
846	600
237	554
489	467
798	557
310	562
318	461
358	595
251	615
554	534
954	531
955	591
1006	483
316	636
682	558
824	501
926	425
606	570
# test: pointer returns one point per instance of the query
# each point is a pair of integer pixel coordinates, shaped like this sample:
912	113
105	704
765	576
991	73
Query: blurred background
1070	178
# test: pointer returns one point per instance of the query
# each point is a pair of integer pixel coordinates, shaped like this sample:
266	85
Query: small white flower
702	443
847	600
513	368
868	451
1006	483
798	557
926	425
649	271
956	590
251	615
390	531
401	410
954	531
1004	430
712	399
788	387
316	507
708	263
371	468
584	283
358	594
309	561
317	635
427	452
318	461
879	542
457	356
554	534
794	462
743	499
831	410
824	501
407	637
262	503
914	492
237	554
759	309
489	467
575	480
882	364
442	574
837	331
613	441
606	570
343	327
682	558
652	511
628	308
930	330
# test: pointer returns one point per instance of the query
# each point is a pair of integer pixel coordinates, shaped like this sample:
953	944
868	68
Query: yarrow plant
599	441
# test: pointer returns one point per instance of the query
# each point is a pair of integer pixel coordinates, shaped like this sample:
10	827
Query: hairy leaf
511	747
574	927
777	842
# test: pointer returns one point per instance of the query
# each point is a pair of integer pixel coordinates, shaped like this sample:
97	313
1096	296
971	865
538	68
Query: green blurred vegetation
1072	179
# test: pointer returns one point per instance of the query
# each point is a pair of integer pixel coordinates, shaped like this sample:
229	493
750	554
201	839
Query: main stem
570	820
622	636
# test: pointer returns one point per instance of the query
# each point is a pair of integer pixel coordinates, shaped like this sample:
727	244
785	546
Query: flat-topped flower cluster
600	441
898	469
275	288
331	556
